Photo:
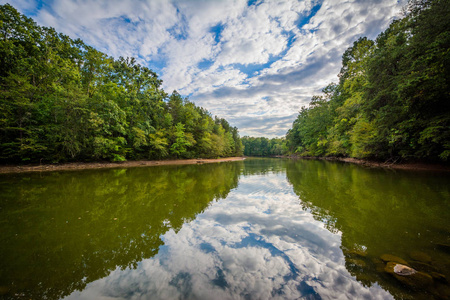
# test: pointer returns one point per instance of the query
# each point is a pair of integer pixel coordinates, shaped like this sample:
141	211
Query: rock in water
388	257
404	270
418	280
439	277
356	262
355	252
423	267
408	276
389	268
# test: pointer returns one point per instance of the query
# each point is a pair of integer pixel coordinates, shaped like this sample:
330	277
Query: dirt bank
396	165
103	165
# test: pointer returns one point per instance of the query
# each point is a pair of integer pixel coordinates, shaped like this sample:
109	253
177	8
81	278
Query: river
253	229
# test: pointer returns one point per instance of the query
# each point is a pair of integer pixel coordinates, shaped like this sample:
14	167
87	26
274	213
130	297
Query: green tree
182	141
62	100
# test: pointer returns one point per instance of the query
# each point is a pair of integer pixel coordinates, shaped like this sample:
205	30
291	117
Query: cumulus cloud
266	57
257	243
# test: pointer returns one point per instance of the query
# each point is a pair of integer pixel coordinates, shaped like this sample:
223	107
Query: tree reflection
263	166
61	231
380	212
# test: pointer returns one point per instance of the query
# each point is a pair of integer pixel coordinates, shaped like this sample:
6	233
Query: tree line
262	146
392	100
62	100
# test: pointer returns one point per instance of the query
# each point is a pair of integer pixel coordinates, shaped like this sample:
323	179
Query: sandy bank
374	164
107	165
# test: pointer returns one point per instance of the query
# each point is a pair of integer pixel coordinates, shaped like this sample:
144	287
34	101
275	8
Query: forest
392	99
262	146
62	100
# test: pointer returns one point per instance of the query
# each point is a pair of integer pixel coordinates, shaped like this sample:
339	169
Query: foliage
392	100
261	146
62	100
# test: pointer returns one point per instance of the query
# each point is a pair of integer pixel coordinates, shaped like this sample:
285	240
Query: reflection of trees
378	211
61	231
262	166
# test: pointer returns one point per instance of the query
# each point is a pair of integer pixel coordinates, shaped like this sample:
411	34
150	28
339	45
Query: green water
258	229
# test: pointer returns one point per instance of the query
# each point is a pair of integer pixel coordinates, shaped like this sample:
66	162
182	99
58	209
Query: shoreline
9	169
414	166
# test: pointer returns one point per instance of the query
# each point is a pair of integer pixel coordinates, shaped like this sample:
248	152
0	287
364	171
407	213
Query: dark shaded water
258	229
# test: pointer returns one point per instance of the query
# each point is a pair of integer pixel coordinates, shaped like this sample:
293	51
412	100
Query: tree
182	141
62	100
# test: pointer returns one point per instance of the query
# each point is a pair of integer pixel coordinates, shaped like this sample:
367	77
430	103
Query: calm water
258	229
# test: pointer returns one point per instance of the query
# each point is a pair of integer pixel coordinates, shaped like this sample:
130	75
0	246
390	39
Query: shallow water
258	229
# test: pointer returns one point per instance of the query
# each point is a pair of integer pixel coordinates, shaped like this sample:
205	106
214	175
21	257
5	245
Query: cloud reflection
256	245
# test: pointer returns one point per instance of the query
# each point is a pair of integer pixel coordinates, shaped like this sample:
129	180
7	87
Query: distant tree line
261	146
393	96
62	100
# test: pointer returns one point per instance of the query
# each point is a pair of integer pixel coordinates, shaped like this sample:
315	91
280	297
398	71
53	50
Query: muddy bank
375	164
107	165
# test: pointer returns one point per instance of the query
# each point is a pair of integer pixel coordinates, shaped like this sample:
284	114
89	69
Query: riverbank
391	165
108	165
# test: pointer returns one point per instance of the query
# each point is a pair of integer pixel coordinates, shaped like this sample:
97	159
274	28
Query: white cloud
22	5
290	63
119	28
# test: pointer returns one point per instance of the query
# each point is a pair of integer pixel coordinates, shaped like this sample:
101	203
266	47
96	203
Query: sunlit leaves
63	100
392	100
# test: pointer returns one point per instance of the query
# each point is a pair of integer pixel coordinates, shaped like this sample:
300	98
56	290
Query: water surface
258	229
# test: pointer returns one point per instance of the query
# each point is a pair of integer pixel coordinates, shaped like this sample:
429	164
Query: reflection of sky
256	244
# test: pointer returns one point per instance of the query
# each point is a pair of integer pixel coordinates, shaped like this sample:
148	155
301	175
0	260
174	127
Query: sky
254	63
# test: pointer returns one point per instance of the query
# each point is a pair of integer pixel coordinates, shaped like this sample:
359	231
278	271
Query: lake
253	229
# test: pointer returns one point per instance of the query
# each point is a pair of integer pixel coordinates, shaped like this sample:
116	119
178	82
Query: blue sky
255	63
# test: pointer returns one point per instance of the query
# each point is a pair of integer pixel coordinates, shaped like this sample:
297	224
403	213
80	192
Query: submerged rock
420	256
417	280
392	258
379	264
389	268
408	276
356	262
421	266
439	277
355	252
